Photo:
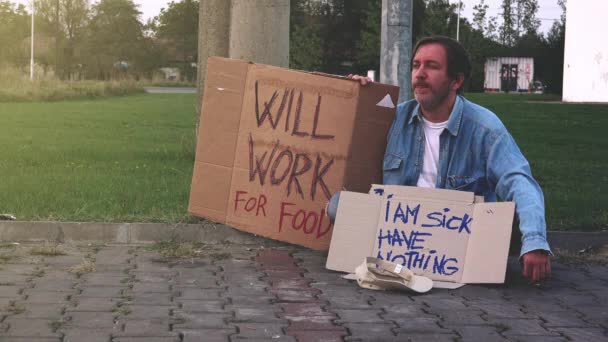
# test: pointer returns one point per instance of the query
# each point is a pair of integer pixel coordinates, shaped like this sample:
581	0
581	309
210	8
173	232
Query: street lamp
458	22
32	46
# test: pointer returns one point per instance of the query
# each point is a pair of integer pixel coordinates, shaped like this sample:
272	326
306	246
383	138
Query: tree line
343	36
107	39
100	40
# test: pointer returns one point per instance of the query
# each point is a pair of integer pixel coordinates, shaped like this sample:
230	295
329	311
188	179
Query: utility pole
213	30
396	45
458	22
32	46
57	36
259	31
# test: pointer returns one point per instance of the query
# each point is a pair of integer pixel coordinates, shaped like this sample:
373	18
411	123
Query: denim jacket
476	154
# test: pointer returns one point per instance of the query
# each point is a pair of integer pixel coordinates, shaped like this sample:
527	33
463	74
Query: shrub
15	86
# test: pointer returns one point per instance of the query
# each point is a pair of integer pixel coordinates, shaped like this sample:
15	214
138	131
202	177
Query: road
170	90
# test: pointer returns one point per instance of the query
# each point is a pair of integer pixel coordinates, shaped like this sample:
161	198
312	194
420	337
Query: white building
586	52
508	74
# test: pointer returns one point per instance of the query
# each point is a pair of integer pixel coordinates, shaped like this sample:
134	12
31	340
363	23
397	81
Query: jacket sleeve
510	173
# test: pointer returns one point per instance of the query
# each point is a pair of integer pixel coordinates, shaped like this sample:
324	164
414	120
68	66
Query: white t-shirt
432	131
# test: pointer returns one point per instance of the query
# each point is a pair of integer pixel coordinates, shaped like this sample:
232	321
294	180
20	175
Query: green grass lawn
567	146
131	158
119	159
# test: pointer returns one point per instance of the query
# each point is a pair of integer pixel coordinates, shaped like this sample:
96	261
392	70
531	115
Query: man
442	140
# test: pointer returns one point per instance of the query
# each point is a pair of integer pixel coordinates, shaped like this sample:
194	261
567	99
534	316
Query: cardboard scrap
445	235
275	144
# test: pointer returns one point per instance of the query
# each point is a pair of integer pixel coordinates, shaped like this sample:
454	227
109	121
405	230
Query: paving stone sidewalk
283	293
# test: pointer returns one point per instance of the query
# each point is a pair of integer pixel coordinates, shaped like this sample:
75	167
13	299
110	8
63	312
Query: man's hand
362	79
536	266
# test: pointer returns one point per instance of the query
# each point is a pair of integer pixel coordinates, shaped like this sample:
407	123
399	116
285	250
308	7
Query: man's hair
457	55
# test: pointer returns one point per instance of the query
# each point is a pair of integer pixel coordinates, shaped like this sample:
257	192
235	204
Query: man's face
430	81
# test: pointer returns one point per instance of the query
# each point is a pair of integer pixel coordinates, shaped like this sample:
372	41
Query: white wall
586	52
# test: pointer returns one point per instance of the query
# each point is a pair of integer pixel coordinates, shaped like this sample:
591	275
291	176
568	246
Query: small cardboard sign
275	144
444	235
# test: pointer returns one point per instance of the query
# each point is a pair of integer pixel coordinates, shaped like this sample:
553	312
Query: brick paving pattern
283	293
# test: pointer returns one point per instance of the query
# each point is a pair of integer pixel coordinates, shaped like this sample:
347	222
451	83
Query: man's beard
433	97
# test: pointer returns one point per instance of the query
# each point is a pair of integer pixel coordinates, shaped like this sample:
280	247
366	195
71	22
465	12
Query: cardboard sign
441	234
275	144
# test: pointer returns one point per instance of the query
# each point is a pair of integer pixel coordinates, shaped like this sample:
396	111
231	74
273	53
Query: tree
368	46
526	17
519	21
340	26
14	29
439	18
65	21
75	19
305	40
48	24
492	29
553	59
324	34
305	48
177	26
115	41
487	26
418	17
562	4
508	33
479	16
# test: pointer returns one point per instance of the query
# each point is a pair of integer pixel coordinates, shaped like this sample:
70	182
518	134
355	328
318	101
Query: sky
548	12
149	8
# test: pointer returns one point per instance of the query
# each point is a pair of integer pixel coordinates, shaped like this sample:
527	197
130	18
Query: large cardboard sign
442	234
275	144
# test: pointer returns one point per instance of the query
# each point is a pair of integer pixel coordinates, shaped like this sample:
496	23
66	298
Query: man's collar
455	116
415	114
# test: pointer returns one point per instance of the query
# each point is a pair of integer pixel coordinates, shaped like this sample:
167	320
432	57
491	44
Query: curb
127	233
208	232
575	242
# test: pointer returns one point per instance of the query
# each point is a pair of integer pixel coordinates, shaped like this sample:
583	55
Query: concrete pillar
255	30
396	45
259	31
213	34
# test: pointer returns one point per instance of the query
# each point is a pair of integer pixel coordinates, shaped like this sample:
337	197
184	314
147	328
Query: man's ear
458	81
